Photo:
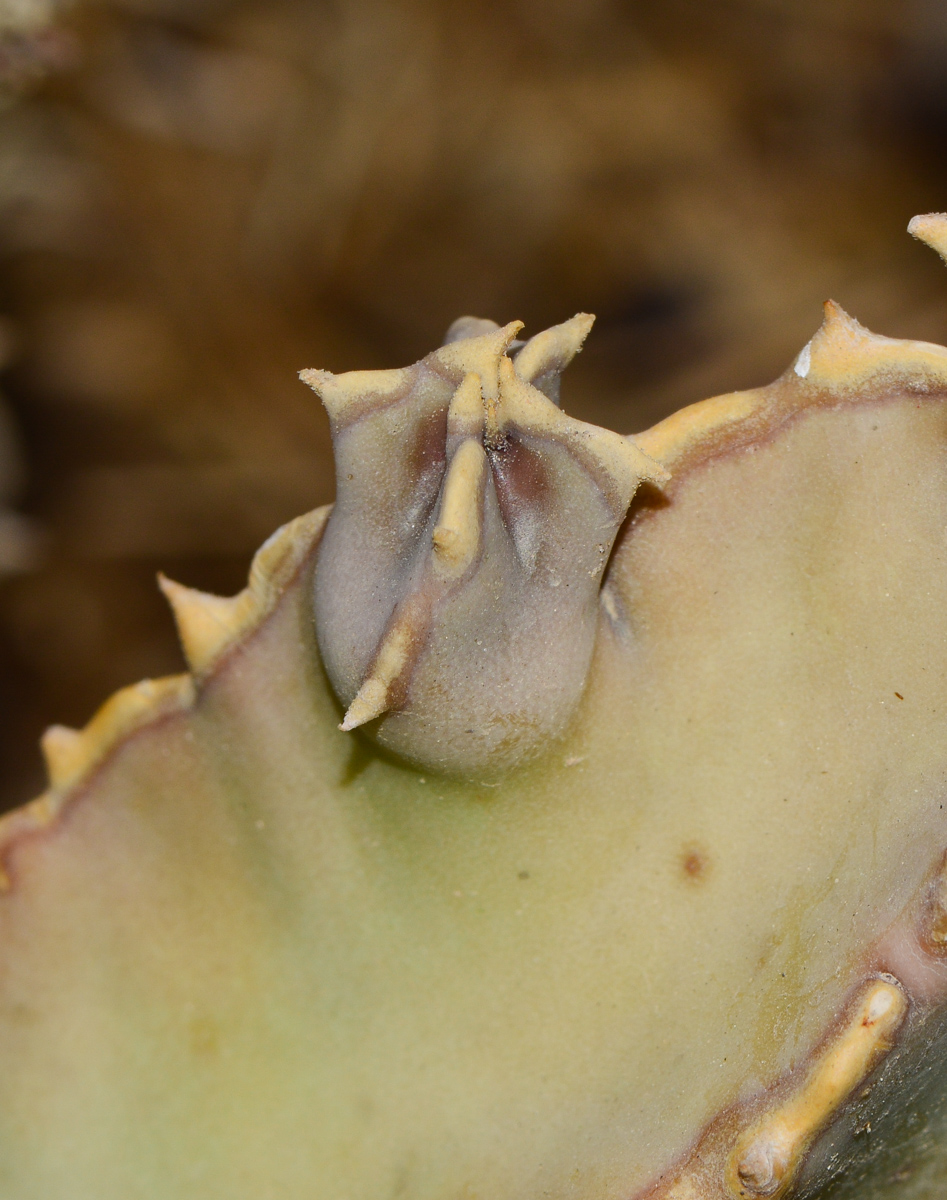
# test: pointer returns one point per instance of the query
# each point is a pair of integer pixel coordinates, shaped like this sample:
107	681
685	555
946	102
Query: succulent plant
562	814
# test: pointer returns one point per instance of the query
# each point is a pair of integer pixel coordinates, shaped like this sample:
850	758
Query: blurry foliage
200	198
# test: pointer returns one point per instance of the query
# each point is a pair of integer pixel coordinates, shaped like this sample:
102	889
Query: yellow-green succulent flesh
631	880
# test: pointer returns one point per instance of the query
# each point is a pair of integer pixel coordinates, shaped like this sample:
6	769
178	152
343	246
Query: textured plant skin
457	592
686	941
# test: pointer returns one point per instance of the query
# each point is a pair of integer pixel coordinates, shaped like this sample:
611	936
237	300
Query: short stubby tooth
768	1154
209	625
843	356
545	356
762	1167
64	753
837	348
931	228
72	753
205	622
282	554
456	535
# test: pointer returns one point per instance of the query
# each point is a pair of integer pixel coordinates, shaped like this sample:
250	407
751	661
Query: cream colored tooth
71	754
465	413
553	349
372	697
838	349
208	624
282	554
65	754
457	533
348	394
766	1157
843	354
931	228
205	622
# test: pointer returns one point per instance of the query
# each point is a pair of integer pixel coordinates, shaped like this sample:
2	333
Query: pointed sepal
545	356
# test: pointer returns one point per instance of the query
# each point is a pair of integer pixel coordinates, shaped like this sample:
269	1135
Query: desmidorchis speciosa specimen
504	840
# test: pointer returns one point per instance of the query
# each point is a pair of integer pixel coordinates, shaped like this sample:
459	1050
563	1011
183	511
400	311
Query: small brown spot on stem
695	863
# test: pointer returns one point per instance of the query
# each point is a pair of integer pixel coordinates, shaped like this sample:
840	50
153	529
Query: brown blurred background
200	197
